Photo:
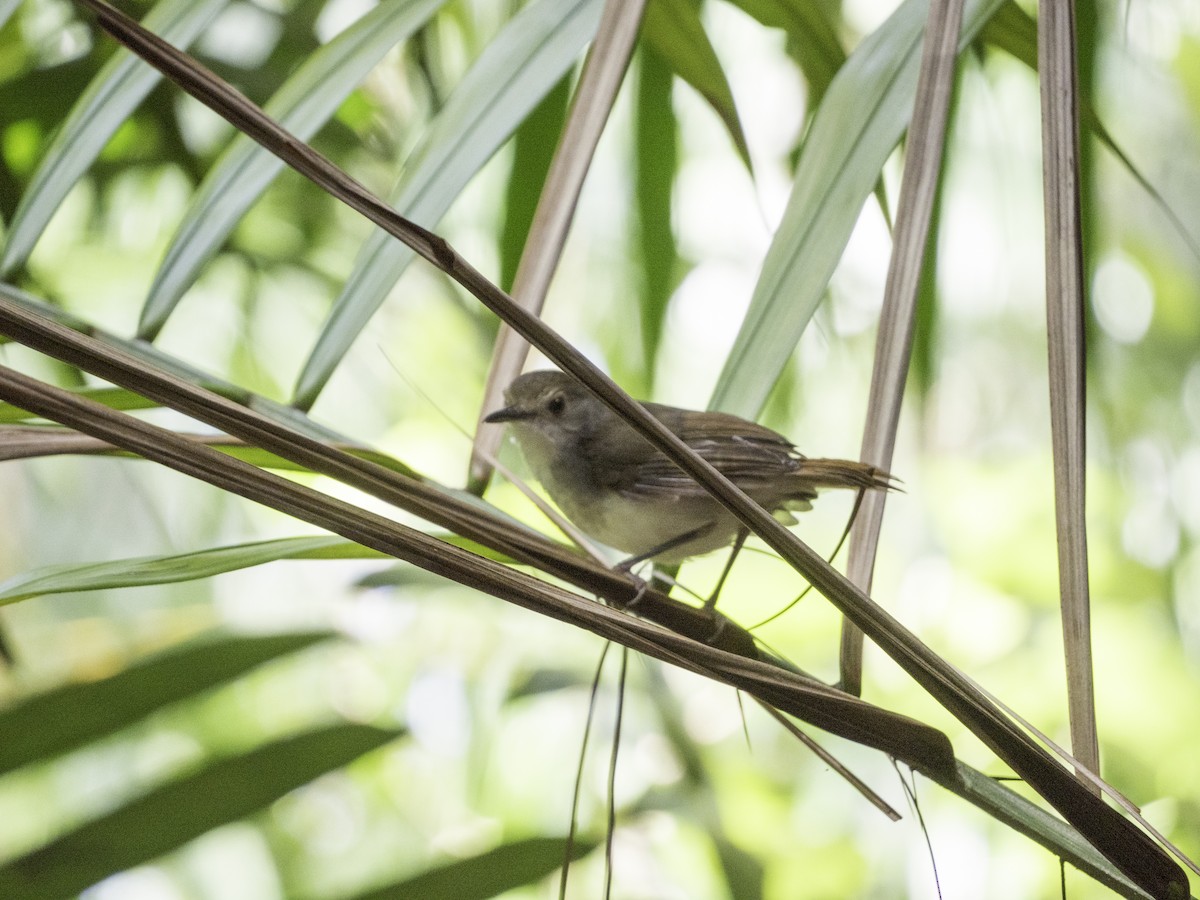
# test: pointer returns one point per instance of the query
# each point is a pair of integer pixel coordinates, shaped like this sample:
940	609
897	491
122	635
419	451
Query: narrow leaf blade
151	570
518	68
67	717
303	104
114	93
860	120
656	161
166	818
674	30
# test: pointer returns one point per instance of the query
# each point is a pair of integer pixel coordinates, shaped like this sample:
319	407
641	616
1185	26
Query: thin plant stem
612	776
911	791
587	730
858	499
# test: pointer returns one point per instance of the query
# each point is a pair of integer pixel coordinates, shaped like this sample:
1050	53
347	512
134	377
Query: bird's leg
711	602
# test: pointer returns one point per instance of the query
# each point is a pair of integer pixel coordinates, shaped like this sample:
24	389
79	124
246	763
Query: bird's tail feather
844	473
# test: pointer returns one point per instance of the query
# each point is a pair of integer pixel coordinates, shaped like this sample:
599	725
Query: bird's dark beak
509	414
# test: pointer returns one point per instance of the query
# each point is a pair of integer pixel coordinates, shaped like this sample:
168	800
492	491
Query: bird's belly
639	525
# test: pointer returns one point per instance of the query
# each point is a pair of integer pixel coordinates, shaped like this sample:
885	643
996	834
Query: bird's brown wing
760	461
752	456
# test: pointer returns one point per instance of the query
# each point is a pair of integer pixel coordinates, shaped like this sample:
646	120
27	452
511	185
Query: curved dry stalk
923	747
469	518
602	75
1065	330
612	775
893	348
577	788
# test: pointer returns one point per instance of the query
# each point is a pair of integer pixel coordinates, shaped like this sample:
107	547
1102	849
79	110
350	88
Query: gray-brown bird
619	489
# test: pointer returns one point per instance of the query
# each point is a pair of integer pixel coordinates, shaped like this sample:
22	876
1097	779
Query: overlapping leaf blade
863	115
109	100
60	720
304	103
508	80
182	810
674	30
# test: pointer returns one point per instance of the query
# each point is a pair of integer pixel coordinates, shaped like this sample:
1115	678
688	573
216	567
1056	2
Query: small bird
619	489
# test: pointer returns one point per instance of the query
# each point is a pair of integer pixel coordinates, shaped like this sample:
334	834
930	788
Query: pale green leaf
863	115
509	79
150	570
303	104
109	100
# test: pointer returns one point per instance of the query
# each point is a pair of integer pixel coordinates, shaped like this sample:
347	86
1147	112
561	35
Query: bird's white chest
630	523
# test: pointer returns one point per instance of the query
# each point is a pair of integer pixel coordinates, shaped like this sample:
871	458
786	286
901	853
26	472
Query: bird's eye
557	404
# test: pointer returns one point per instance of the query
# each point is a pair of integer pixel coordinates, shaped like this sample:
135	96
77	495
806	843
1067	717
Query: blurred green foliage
663	258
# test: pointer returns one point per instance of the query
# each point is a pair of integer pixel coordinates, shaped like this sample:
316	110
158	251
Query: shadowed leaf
67	717
743	871
170	816
656	161
673	30
489	874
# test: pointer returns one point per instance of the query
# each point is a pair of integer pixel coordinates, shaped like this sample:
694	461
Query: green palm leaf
113	94
60	720
518	68
303	104
860	120
170	816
